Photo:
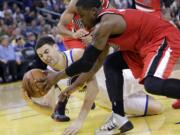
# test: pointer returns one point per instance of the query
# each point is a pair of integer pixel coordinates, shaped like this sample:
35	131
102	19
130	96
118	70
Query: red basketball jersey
141	28
142	39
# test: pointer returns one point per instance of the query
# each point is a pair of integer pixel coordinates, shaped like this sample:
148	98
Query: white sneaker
115	124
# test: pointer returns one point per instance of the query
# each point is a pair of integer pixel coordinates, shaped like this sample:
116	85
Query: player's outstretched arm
92	91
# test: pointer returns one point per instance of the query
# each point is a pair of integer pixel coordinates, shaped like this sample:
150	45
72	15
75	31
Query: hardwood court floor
16	118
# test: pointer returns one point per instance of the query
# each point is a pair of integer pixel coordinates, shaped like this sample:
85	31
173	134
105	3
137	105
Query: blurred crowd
21	21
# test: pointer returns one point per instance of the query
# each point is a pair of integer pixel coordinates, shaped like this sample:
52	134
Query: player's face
48	54
88	17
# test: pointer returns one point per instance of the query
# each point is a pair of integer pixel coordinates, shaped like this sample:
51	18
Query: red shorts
73	43
156	58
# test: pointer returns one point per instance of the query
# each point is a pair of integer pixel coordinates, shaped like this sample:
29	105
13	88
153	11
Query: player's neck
61	65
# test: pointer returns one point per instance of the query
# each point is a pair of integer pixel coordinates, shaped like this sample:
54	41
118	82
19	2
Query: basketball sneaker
115	124
176	104
59	112
59	117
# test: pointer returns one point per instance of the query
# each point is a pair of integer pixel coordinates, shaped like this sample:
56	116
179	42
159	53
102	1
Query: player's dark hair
44	40
88	4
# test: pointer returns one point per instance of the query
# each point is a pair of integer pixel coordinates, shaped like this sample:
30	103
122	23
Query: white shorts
131	85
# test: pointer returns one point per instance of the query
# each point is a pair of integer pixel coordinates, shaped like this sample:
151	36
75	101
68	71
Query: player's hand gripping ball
29	84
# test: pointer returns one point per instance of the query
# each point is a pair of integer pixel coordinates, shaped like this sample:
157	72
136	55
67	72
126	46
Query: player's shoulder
77	53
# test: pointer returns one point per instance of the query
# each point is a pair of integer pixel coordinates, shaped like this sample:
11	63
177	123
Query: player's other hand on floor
73	128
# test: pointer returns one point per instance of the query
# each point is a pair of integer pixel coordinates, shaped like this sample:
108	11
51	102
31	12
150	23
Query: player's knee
148	86
155	108
152	85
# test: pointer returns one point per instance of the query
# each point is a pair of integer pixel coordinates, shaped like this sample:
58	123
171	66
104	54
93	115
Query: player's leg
157	70
136	101
59	112
176	74
60	107
141	104
117	123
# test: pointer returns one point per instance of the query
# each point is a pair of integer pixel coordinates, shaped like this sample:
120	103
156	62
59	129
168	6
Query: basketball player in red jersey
149	47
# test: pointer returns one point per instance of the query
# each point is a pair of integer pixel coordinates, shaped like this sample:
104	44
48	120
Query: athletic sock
118	108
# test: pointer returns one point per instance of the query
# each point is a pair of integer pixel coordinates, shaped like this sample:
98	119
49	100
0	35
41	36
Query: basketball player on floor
136	103
72	31
150	49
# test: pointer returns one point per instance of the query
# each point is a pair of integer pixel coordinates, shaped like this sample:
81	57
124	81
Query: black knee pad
165	87
115	61
153	85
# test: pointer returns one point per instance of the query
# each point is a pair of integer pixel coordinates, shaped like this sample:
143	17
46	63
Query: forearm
92	91
85	63
62	30
60	75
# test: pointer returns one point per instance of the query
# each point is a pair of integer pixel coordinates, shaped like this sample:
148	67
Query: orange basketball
29	84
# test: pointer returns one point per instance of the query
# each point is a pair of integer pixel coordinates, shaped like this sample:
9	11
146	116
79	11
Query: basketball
29	83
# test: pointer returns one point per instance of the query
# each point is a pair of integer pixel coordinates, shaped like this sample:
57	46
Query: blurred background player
71	27
57	61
